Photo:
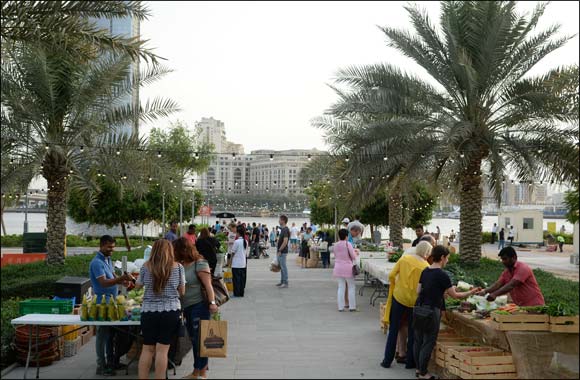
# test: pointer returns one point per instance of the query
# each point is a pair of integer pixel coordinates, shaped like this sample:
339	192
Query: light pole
26	194
163	214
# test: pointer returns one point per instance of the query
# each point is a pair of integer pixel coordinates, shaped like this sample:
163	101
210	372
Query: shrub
568	238
11	241
486	237
9	311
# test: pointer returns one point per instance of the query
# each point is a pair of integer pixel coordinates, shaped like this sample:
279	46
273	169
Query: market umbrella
225	215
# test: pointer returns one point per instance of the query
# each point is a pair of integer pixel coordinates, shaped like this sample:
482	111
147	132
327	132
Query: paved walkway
279	333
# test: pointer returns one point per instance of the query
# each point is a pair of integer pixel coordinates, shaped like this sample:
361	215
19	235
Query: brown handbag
220	290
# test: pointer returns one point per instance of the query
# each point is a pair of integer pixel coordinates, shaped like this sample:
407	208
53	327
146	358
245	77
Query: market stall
37	320
536	353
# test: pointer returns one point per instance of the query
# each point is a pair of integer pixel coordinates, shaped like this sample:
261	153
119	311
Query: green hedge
568	238
74	241
9	312
486	237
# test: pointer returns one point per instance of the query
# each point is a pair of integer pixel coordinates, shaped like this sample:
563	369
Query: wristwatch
213	303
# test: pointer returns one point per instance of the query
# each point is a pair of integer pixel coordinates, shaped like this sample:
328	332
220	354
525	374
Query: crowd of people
179	267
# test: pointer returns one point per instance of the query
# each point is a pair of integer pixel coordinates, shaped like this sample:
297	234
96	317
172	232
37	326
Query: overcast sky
263	68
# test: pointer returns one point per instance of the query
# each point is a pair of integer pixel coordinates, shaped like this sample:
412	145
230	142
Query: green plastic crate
43	306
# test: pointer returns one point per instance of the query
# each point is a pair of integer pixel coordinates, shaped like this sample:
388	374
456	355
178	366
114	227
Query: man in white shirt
493	233
294	237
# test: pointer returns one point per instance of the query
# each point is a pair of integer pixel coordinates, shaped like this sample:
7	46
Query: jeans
272	243
283	268
193	315
104	345
255	249
425	343
501	244
342	283
561	245
397	311
325	256
239	280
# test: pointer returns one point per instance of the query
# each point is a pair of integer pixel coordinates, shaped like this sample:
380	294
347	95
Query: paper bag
213	339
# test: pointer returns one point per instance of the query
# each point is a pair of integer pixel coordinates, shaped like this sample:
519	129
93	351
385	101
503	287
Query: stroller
263	249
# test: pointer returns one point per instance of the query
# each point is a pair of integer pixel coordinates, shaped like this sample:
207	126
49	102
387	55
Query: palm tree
479	115
47	21
56	101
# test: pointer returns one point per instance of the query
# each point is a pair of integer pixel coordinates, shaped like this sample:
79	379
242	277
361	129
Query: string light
159	154
271	157
82	149
347	158
309	157
385	158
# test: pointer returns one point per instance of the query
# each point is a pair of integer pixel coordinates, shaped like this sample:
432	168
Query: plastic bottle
112	310
147	253
84	309
93	309
102	314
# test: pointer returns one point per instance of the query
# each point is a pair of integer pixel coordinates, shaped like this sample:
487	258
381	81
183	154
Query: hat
346	220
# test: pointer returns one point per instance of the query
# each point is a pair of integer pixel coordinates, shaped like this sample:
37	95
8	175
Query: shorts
159	327
293	241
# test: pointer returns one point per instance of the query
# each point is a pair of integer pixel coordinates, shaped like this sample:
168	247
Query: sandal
401	359
433	377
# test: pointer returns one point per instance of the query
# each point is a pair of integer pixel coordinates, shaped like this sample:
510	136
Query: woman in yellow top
404	279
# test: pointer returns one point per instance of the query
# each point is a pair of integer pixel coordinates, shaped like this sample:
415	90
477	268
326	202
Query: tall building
127	27
260	172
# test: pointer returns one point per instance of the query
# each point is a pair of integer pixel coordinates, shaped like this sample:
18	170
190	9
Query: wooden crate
441	348
565	324
467	375
383	326
487	364
86	337
312	263
521	322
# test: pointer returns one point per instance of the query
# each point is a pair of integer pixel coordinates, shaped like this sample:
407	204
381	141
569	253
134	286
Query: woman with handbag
344	261
403	280
305	247
195	309
433	284
164	282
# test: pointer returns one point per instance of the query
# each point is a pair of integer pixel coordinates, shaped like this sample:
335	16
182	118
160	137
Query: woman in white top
239	263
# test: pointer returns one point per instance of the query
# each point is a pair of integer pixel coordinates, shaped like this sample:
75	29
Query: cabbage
463	286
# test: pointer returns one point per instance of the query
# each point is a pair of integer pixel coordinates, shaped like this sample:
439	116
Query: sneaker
385	365
120	366
283	286
105	371
280	284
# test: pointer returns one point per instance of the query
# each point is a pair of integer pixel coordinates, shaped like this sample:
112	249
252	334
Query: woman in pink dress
344	258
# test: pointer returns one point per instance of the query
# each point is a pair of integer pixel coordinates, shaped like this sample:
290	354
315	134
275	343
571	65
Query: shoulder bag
220	290
355	268
423	316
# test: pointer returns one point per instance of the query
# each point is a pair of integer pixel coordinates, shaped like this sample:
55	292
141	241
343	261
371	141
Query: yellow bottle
112	310
93	309
102	315
84	309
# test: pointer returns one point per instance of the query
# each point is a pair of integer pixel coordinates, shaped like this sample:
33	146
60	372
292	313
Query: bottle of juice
93	309
84	309
102	315
112	310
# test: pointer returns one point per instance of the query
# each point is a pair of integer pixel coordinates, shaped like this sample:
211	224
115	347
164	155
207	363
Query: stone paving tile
277	333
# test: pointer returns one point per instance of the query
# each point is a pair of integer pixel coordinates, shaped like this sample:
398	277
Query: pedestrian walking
171	235
273	238
164	282
305	246
294	231
561	242
511	235
239	263
197	273
282	250
255	250
501	239
493	233
344	260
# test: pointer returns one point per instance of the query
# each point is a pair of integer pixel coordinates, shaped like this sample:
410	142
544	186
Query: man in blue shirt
171	235
104	282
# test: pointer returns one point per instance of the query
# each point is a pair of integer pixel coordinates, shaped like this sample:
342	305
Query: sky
263	68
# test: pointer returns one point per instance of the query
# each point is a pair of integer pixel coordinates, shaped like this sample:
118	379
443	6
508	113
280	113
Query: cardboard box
86	337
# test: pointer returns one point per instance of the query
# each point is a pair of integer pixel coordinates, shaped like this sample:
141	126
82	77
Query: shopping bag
213	339
274	265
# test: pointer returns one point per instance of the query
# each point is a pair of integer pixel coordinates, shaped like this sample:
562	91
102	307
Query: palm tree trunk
2	217
372	230
470	200
127	243
56	220
396	219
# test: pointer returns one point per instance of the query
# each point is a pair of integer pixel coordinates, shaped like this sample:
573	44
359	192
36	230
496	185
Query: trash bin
69	287
34	242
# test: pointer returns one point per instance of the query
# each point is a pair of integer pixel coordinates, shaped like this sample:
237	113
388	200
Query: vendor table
37	320
376	272
533	351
